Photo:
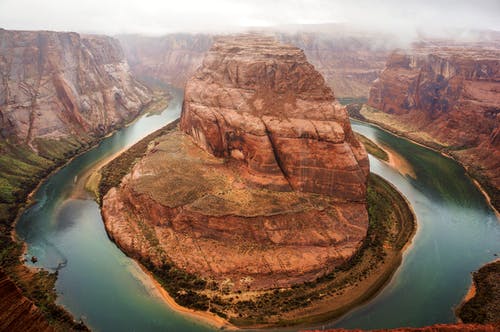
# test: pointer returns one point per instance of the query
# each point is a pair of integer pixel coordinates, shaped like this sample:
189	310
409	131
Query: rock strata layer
17	313
56	85
448	98
262	103
263	187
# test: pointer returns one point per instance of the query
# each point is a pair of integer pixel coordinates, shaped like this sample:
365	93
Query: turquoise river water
457	233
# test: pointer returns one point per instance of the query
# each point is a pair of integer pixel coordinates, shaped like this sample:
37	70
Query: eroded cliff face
17	313
261	102
446	97
56	85
59	93
263	187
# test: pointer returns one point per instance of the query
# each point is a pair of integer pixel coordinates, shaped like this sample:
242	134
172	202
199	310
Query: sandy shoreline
80	188
470	293
204	316
397	162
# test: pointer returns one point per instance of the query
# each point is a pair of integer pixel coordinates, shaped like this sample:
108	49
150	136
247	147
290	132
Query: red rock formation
244	208
57	85
262	103
449	98
17	313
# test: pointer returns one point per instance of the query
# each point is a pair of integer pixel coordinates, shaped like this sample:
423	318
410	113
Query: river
457	233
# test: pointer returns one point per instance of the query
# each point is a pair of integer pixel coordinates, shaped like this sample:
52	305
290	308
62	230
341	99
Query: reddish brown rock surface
17	313
448	98
262	103
57	85
245	209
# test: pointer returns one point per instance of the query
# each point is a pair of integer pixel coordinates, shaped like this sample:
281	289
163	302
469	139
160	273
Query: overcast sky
164	16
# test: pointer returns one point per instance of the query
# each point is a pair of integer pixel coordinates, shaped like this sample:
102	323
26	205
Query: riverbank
38	285
392	226
491	196
203	316
482	302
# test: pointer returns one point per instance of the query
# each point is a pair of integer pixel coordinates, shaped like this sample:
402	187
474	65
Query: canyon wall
59	93
17	313
169	59
56	85
348	61
447	97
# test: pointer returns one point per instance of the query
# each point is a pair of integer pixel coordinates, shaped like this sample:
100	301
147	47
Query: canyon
273	209
253	136
446	96
59	94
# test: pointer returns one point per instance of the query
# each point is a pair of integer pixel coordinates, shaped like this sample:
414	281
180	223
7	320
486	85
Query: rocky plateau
276	189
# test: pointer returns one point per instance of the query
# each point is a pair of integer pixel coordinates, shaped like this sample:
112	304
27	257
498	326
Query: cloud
164	16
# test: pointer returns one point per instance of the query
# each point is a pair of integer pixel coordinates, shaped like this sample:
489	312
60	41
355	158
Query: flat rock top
256	47
267	73
211	187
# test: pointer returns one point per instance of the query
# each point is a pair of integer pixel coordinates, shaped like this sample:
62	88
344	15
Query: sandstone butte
263	186
447	97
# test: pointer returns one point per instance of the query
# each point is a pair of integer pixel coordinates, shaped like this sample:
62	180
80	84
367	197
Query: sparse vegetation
114	171
372	148
484	307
